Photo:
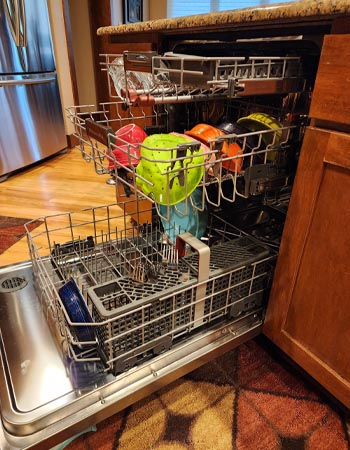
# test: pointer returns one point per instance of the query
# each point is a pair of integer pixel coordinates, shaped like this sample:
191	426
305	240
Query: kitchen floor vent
12	284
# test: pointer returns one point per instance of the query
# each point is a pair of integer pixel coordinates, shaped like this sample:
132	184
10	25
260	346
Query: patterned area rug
12	230
244	400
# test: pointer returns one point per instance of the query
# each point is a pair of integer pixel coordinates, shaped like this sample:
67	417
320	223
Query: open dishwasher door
54	383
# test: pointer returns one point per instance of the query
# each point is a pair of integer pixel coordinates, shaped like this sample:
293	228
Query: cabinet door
308	315
331	96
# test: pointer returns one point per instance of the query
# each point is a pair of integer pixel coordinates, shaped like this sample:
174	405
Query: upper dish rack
147	78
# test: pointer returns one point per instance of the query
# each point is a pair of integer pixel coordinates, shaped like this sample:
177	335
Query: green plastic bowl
158	155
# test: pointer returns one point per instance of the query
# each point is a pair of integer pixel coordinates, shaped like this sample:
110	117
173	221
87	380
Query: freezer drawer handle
4	83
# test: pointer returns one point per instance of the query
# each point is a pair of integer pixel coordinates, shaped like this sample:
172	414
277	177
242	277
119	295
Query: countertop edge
290	10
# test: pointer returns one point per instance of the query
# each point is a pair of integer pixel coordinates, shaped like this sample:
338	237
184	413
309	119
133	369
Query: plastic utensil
261	122
131	133
205	133
125	155
127	149
247	144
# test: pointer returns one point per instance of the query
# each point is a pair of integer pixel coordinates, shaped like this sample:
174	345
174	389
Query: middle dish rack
232	163
135	293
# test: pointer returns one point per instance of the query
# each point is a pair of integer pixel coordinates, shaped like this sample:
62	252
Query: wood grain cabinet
331	95
308	315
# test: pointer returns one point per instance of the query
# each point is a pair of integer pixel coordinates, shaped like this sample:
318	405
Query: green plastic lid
159	154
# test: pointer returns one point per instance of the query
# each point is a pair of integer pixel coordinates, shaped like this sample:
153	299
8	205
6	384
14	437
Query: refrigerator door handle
16	18
26	81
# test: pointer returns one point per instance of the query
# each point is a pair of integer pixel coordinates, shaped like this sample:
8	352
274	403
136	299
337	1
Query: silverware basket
145	318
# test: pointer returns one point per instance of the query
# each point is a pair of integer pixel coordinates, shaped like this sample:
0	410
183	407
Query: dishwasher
202	145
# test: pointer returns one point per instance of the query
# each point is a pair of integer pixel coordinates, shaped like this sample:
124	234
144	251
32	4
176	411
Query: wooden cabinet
331	96
309	309
308	314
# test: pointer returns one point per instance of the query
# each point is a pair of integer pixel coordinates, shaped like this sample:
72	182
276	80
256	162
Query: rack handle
97	131
138	99
203	270
138	61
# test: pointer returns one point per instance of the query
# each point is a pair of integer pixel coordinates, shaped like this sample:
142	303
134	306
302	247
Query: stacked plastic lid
77	311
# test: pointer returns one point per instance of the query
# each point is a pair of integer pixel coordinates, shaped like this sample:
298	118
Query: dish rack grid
249	171
143	292
145	78
108	117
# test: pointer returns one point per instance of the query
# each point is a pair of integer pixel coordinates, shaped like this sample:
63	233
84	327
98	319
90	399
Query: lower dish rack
119	292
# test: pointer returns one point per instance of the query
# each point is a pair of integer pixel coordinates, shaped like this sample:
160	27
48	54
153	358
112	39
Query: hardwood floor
62	183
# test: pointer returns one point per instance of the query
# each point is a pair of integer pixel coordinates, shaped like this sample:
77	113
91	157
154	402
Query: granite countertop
281	11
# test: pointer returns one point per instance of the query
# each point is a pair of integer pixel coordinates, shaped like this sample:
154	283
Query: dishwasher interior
202	152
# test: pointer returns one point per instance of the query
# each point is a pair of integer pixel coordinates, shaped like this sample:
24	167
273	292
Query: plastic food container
127	151
260	122
188	215
206	133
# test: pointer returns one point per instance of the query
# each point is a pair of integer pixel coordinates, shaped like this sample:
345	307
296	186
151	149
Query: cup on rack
126	81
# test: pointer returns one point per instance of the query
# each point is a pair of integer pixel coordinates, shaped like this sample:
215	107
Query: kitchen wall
83	51
83	55
62	60
157	9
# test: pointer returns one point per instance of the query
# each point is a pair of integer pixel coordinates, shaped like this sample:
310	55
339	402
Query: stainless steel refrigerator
31	117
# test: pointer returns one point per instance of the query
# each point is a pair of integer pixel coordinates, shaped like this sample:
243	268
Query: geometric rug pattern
243	400
12	230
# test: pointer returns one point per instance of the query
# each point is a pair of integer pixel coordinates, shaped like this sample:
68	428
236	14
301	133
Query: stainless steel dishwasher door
40	408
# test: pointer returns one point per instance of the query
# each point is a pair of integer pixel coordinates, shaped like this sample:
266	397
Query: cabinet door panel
331	96
309	310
